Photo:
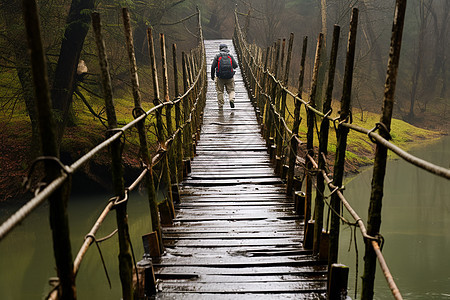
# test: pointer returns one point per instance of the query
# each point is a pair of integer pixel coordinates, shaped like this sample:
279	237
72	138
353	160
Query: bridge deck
235	234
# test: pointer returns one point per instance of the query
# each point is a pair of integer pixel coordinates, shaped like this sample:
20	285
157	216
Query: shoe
232	104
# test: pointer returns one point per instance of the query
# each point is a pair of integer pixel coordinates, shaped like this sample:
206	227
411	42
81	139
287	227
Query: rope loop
138	111
27	182
382	126
118	201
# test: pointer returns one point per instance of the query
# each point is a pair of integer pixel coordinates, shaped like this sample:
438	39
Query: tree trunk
423	17
12	12
77	26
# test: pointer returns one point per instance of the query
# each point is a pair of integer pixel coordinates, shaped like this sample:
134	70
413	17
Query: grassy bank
89	131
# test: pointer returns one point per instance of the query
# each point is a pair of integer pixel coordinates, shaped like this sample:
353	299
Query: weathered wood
235	220
342	133
311	117
166	182
138	110
187	132
338	282
323	143
178	117
125	264
379	169
58	201
297	120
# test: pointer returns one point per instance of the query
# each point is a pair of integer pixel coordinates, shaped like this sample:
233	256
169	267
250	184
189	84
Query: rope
179	21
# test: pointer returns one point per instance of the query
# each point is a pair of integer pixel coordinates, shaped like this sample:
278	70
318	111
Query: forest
422	97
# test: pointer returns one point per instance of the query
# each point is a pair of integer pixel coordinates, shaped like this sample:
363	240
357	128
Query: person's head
223	47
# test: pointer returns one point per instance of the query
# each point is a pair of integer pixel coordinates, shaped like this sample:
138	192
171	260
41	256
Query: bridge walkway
235	233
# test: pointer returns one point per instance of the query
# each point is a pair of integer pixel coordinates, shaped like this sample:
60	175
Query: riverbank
78	140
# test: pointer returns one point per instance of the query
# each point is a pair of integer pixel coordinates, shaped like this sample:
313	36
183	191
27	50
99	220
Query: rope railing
425	165
266	90
187	127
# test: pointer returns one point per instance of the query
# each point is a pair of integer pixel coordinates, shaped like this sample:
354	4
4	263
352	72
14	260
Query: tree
77	26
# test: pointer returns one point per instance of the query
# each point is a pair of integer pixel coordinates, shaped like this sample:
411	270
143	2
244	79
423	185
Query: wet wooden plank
245	287
235	235
259	296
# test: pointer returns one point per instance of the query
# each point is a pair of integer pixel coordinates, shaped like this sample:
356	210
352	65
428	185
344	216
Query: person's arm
213	68
234	63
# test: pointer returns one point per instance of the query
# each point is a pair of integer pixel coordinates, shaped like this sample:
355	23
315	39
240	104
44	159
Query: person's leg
219	90
230	91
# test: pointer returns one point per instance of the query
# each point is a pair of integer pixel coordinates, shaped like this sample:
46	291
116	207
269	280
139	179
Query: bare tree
423	19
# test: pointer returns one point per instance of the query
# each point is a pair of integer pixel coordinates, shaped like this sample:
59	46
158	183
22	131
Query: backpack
225	67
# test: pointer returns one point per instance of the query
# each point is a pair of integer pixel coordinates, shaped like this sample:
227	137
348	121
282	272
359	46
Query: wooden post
264	99
310	134
187	134
379	169
297	119
145	155
342	133
125	262
179	143
282	154
165	173
337	289
172	155
247	25
274	91
323	144
58	200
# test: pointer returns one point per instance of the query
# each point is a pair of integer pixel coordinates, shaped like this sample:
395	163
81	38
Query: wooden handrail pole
172	156
323	143
178	117
297	120
125	261
58	200
379	169
161	137
145	155
187	134
310	135
342	133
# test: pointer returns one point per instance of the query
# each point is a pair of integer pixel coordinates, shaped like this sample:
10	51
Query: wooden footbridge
236	233
235	220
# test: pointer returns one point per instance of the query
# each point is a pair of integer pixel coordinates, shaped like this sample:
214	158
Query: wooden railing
170	162
266	77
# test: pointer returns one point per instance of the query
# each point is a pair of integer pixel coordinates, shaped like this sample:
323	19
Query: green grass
360	150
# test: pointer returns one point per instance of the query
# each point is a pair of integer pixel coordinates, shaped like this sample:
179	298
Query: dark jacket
223	51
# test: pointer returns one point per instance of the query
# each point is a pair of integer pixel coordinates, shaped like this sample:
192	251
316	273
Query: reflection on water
415	225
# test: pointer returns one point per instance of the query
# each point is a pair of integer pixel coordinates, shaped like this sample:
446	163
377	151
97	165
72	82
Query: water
415	224
26	255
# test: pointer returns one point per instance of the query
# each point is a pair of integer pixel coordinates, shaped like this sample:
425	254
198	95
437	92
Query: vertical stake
165	173
171	157
58	200
179	144
125	262
310	135
145	155
379	169
342	133
297	120
323	143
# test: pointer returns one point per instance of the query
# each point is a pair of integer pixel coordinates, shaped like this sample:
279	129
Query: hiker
223	66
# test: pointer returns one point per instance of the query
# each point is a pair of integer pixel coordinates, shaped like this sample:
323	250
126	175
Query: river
415	225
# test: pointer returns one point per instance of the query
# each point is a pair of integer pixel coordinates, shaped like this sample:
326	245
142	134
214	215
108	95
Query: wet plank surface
235	235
